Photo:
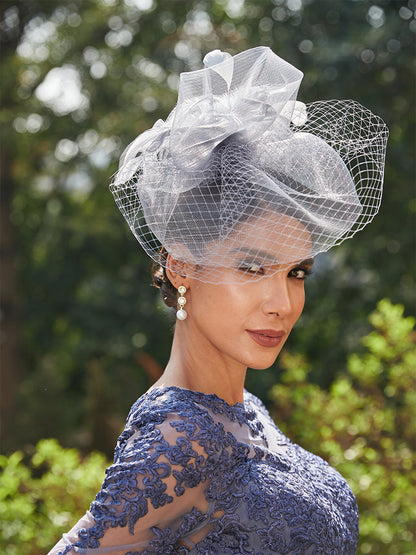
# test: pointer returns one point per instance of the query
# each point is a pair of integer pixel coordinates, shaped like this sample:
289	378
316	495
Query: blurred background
83	332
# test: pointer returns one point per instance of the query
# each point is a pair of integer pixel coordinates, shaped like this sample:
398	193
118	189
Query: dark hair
168	291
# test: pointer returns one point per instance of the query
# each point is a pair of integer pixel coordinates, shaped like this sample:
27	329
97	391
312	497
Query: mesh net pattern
242	177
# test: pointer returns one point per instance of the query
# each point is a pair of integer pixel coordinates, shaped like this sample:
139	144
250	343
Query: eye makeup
259	268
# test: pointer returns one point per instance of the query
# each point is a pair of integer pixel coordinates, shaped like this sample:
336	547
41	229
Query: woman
233	196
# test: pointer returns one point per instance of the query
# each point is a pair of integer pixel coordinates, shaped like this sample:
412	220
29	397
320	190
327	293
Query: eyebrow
267	256
307	262
255	253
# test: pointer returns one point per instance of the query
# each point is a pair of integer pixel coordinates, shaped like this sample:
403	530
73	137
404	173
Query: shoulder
254	401
160	443
161	417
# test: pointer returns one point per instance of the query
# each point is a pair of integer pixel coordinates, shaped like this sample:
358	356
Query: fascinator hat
241	169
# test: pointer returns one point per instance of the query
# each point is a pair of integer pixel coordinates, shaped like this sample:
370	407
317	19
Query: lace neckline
209	397
240	412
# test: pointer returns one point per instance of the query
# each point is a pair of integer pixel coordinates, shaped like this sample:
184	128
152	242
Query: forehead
271	237
282	236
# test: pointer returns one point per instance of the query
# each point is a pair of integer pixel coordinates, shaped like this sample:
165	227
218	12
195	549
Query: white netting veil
243	175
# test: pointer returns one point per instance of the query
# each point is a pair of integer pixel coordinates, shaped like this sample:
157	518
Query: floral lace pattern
193	474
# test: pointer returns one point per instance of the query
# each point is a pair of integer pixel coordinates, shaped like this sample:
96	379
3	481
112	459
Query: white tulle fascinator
241	177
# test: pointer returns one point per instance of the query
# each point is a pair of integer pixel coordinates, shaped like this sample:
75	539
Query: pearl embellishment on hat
215	57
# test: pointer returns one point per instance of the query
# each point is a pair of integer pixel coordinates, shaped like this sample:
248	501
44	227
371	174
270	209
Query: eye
251	268
300	273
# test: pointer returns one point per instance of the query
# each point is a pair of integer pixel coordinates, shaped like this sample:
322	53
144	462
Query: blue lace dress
193	474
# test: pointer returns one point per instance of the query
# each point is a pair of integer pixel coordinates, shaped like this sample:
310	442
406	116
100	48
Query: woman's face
248	322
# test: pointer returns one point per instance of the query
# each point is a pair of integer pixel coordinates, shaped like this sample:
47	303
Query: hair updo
168	291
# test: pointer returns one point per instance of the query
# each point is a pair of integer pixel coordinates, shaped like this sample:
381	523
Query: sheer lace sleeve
194	475
153	497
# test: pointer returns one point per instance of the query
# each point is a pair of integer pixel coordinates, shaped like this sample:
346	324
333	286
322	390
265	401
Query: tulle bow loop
210	120
148	141
243	95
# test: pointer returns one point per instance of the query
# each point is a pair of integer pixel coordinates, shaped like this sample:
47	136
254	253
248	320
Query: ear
177	272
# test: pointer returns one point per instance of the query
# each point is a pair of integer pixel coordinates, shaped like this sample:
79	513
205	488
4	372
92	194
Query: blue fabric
193	474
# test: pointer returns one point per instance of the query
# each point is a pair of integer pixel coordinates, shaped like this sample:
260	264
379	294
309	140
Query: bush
43	496
365	425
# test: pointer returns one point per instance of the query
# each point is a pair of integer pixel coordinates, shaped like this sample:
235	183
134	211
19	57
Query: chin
263	363
259	361
260	366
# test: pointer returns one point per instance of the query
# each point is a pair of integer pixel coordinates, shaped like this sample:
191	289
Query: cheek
298	302
218	308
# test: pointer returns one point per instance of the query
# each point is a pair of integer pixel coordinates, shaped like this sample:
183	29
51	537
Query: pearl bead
215	57
181	314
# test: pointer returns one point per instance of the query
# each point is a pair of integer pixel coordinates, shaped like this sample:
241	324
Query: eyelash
251	268
306	272
256	269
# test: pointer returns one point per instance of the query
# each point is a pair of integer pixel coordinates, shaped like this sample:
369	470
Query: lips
266	338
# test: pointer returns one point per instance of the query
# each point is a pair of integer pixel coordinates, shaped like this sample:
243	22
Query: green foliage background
85	335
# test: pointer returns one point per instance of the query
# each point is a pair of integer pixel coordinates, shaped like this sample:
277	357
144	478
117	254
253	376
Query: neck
197	365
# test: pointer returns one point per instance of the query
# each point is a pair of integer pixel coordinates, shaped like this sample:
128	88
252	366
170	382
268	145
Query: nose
277	299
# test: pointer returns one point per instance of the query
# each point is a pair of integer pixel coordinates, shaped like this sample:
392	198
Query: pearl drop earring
181	313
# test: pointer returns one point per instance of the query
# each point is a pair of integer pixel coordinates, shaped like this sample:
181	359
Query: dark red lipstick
266	338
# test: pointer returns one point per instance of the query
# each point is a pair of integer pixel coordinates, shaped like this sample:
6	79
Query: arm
153	496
